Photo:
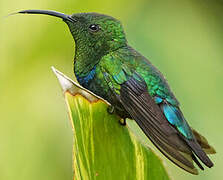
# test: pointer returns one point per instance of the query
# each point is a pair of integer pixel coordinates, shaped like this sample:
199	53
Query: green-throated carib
105	64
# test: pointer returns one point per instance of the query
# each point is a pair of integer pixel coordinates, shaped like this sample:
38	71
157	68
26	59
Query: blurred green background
184	39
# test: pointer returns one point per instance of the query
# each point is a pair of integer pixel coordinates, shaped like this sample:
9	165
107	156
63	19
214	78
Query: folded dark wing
136	100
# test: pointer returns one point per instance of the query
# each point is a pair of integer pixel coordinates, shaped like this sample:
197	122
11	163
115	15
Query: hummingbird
108	66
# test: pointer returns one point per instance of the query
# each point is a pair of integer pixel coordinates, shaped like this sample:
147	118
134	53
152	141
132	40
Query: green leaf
103	149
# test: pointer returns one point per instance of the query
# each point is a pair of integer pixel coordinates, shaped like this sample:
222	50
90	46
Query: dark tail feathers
196	148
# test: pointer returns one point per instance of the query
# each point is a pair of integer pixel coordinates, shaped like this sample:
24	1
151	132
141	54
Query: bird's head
100	31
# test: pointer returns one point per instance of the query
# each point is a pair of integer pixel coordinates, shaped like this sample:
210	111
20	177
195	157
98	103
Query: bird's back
130	60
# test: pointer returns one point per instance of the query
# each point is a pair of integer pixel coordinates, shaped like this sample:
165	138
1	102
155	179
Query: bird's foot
111	109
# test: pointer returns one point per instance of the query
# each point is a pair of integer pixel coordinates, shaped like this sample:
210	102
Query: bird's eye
94	27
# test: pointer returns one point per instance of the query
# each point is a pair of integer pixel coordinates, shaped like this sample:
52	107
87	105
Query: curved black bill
50	13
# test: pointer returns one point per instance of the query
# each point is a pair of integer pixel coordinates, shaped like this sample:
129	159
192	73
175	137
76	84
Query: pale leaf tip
74	88
65	82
